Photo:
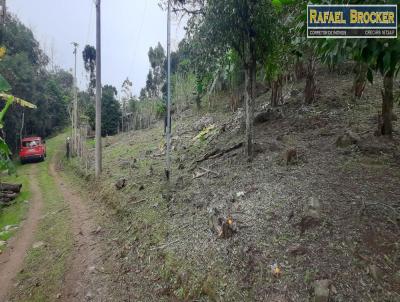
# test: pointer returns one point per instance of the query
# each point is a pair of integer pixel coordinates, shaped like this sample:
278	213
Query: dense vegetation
265	44
110	107
28	70
26	67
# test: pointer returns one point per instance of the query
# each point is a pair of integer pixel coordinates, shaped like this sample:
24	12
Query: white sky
129	28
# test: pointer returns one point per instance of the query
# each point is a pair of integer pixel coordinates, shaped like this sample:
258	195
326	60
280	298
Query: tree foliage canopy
25	67
89	60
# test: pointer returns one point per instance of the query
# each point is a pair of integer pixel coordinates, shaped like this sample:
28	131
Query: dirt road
84	280
11	261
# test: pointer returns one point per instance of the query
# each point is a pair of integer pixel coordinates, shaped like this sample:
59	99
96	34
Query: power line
90	24
138	35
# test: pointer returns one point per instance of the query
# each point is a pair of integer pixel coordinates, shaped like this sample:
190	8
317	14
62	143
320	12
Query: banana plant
5	87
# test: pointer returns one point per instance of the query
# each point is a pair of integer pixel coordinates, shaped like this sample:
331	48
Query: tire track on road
82	280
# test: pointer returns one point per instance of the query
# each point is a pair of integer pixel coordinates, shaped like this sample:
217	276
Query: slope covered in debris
316	214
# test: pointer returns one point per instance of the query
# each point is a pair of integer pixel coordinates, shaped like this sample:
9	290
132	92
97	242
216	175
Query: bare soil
85	278
161	247
12	259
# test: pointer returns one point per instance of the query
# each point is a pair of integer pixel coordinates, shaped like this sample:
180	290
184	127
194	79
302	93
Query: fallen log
199	174
232	148
209	171
8	195
205	172
218	153
208	155
16	188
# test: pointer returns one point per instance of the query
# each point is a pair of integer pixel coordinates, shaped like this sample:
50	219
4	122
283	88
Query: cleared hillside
320	201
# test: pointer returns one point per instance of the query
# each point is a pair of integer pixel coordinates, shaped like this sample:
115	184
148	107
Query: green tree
24	66
110	111
382	56
371	55
157	74
245	26
89	60
5	152
127	95
278	60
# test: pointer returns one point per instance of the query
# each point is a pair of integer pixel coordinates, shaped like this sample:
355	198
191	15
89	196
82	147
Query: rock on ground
120	184
322	290
268	115
312	216
347	139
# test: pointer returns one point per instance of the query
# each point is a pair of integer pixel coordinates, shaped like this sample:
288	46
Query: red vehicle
32	148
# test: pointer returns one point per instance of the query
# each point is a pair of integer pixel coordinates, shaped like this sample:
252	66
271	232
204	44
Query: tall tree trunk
299	69
198	102
387	104
310	89
253	75
249	125
250	82
360	79
21	131
276	92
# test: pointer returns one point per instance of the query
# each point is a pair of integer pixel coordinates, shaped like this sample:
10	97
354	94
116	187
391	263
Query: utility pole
123	113
75	108
3	17
168	169
3	11
98	157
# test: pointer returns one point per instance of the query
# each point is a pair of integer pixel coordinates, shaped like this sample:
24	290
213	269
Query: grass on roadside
12	215
141	210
